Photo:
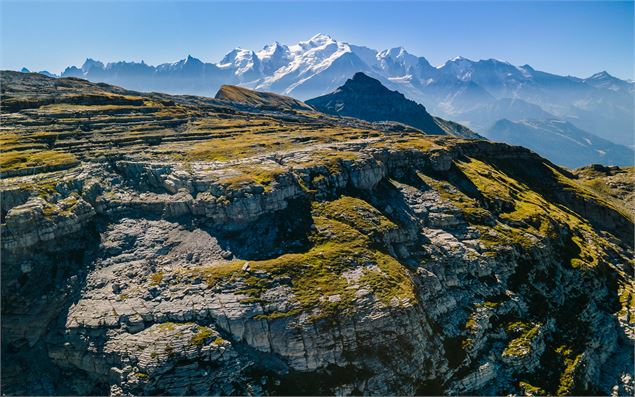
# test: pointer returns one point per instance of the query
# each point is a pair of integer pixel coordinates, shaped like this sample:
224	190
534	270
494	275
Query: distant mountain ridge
561	142
476	93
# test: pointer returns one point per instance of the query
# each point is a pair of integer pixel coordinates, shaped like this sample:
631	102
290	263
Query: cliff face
340	260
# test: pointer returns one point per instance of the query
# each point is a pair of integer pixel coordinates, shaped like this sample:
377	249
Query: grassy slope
263	99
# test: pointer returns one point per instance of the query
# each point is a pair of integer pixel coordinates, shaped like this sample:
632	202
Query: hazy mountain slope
561	142
187	76
485	116
259	99
597	104
456	129
179	245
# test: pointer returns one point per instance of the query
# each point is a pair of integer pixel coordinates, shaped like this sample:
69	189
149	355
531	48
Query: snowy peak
272	57
603	75
459	67
394	53
190	60
237	57
319	39
273	50
458	60
244	63
396	61
318	44
606	81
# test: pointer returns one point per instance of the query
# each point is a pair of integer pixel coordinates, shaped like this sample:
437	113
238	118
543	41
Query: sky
563	37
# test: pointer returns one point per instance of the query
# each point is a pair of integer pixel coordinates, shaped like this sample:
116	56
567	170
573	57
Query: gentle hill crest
259	99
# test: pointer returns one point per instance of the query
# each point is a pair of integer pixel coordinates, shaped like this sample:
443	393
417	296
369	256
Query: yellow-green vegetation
266	137
599	187
201	335
531	390
571	362
470	326
156	278
603	195
10	141
168	326
253	141
626	293
612	183
331	160
62	208
16	160
390	283
418	142
521	344
357	214
491	305
260	175
50	210
470	207
526	213
71	108
317	276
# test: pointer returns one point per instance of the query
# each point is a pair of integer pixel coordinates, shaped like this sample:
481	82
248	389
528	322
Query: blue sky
577	38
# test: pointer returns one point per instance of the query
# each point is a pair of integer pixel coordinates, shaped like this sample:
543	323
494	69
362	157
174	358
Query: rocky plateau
179	245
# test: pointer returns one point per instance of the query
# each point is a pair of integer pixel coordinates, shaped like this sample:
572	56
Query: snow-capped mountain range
475	93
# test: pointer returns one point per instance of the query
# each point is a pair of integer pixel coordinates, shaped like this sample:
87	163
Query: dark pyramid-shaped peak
361	77
362	81
602	74
191	60
366	98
